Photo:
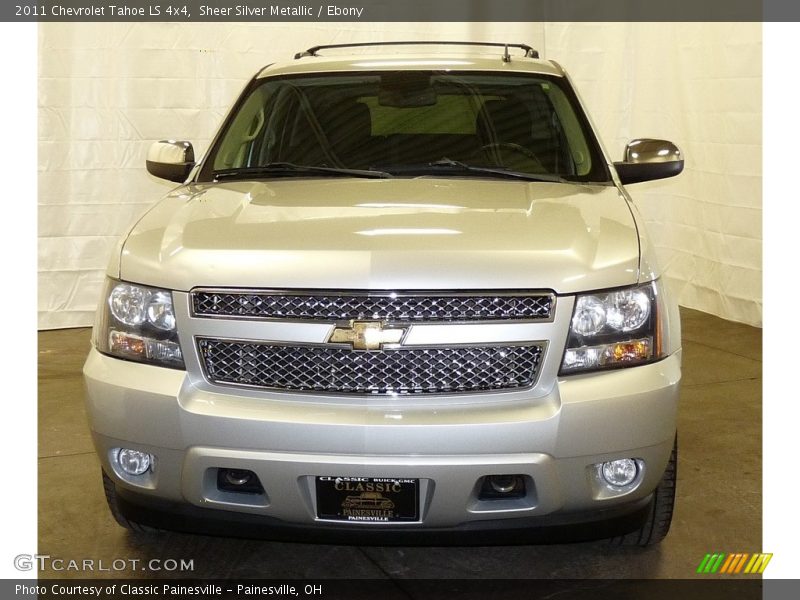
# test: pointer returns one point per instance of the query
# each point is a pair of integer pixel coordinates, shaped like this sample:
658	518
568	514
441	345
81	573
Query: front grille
401	307
430	370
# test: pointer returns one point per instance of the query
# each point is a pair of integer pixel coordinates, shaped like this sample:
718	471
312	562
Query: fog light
502	484
239	480
620	473
497	487
133	462
234	477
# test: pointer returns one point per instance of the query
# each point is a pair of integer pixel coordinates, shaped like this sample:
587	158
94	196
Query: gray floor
718	508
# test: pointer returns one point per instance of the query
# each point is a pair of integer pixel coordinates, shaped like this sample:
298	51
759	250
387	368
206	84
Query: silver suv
402	298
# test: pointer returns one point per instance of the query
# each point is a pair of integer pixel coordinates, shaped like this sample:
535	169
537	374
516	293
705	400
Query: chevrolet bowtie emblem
366	335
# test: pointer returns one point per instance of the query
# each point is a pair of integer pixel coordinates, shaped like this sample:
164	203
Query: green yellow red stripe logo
734	563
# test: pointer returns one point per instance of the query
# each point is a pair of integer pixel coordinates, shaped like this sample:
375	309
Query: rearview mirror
648	159
406	90
170	160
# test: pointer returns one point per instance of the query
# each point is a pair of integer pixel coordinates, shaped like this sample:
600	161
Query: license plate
368	499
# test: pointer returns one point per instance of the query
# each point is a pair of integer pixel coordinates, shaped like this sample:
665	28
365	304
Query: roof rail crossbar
529	52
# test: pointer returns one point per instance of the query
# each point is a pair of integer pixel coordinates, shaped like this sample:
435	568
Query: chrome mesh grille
387	307
430	370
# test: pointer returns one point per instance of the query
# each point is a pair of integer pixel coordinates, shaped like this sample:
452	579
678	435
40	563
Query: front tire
658	521
111	498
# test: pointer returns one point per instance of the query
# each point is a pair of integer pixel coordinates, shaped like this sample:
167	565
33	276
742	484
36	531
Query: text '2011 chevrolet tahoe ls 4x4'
401	299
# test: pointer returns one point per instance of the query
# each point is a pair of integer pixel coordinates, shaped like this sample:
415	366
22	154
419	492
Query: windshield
408	123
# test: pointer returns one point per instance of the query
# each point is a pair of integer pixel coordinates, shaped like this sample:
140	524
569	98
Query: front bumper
556	528
552	439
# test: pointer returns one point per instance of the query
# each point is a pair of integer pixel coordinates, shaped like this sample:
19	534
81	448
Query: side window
570	128
275	124
245	133
296	128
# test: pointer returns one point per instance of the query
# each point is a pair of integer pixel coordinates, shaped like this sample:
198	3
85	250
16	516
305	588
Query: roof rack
529	52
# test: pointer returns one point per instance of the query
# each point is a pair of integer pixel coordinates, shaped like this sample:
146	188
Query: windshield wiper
287	168
457	165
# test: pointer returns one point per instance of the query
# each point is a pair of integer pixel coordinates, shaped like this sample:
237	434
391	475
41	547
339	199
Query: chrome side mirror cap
649	159
170	160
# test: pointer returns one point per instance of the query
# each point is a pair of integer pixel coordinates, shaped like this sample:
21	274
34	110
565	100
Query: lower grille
430	370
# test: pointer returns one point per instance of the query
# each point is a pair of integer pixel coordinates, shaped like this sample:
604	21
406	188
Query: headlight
614	329
137	322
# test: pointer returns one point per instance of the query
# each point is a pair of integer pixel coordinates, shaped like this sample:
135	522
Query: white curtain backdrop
107	91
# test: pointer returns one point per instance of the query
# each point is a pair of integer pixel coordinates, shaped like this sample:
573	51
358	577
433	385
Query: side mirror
648	159
170	160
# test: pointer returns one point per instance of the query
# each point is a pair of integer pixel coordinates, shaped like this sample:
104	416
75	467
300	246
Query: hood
388	234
